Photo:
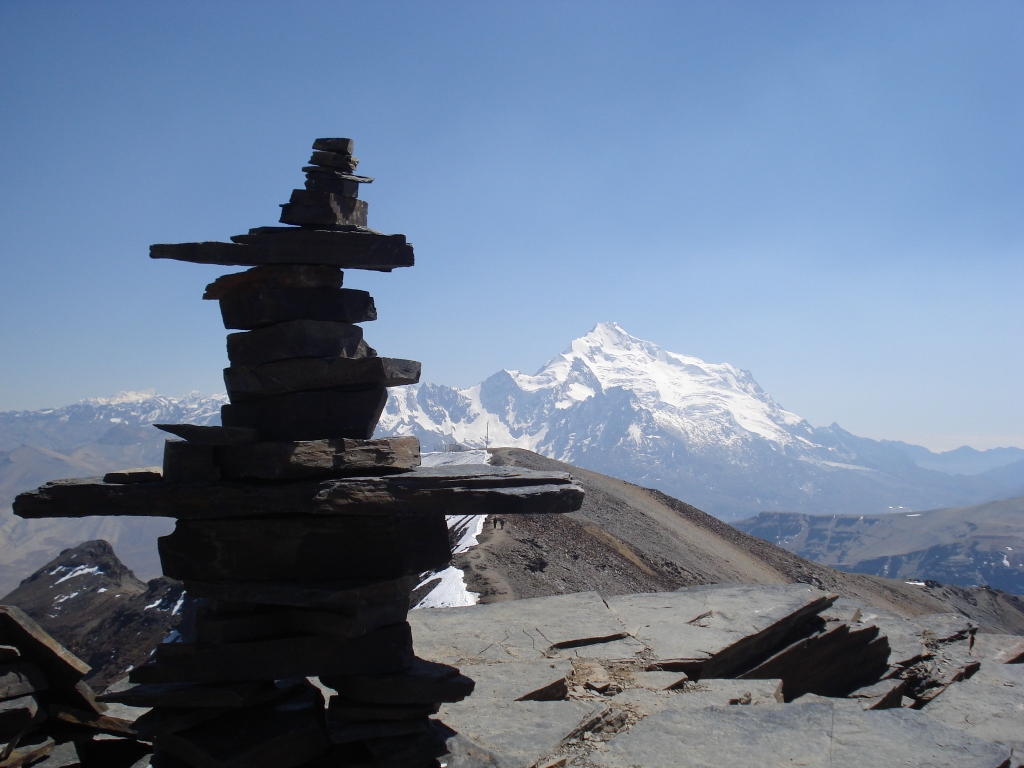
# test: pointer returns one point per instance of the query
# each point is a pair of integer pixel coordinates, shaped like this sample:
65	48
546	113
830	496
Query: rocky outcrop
723	675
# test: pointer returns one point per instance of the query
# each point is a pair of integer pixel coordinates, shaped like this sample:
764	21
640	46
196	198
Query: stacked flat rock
49	717
302	537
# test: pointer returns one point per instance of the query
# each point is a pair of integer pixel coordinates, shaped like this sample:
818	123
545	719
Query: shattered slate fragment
138	475
194	433
720	630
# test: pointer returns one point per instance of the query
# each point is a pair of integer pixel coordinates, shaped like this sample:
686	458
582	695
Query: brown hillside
628	539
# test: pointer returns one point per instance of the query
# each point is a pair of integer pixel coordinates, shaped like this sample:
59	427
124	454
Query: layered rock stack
49	716
303	536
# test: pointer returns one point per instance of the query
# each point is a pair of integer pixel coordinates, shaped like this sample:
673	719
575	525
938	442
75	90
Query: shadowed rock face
738	675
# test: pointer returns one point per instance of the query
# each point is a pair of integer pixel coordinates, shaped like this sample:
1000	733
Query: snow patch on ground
451	592
453	458
78	570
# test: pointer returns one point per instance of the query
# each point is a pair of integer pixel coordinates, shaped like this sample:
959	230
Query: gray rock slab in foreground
562	625
512	734
717	629
815	734
543	679
1002	649
463	490
989	705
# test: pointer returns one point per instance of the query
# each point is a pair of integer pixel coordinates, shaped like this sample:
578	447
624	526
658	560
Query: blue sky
826	194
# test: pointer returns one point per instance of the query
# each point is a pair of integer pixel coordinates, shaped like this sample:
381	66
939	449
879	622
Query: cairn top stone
341	146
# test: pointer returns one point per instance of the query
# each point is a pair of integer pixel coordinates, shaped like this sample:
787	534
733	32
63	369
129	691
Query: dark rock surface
317	415
323	209
307	373
425	490
248	310
282	276
298	338
320	549
344	249
318	458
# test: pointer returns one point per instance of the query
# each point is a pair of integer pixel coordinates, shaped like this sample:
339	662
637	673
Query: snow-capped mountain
704	432
106	420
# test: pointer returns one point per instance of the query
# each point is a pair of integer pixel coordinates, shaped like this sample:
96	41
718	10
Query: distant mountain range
702	432
967	546
88	438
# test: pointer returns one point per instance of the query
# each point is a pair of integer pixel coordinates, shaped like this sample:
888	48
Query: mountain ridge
704	432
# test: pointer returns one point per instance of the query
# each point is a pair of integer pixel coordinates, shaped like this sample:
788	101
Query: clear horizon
827	196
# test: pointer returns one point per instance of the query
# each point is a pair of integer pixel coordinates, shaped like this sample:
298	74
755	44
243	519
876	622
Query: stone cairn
302	538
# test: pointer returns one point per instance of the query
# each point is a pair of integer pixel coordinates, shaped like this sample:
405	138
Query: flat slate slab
815	735
718	630
511	734
309	549
303	373
325	595
1002	649
458	490
542	627
989	705
292	245
535	679
318	458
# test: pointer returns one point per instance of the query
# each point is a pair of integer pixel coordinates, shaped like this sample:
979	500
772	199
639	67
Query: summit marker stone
295	535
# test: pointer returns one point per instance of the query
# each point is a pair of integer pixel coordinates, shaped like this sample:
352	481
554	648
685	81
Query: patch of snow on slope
79	570
451	592
453	458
